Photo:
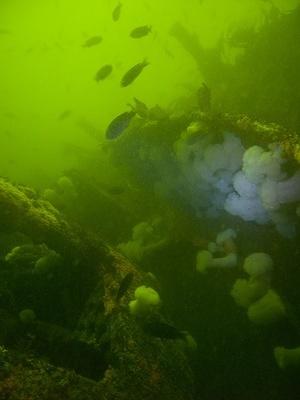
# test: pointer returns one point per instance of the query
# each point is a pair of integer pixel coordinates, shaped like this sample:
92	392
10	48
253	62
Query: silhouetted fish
93	41
103	72
124	285
133	73
64	115
140	31
163	330
140	108
119	124
117	12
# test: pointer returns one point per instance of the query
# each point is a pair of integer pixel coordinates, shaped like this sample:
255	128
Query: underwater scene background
149	199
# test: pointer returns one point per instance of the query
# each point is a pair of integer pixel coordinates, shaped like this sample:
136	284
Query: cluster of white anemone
249	183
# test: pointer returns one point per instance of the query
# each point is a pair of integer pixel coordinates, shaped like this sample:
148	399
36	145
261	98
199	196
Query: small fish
140	31
117	12
103	72
119	124
93	41
124	285
140	108
133	73
163	330
64	115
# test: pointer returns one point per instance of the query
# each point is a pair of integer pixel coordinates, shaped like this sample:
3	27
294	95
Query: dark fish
124	285
93	41
64	115
133	73
163	330
119	124
140	31
103	72
117	12
140	108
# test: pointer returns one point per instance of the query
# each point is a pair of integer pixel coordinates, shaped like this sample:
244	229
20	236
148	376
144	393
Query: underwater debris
81	350
140	31
93	41
103	72
131	75
119	124
117	12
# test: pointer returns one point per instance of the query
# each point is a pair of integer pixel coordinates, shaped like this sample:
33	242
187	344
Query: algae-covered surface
149	200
